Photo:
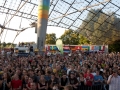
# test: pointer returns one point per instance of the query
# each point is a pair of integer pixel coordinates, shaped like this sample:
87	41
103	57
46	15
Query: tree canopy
50	38
72	37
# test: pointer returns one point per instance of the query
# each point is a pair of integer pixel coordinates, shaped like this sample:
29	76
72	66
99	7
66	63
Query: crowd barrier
93	87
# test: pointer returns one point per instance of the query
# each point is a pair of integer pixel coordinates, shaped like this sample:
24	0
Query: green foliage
6	45
72	37
50	38
115	46
83	40
101	28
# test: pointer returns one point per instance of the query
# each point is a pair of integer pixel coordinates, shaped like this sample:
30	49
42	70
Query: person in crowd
54	81
98	79
28	84
42	85
24	82
88	78
72	70
16	83
68	87
114	81
73	81
63	81
5	82
81	79
33	86
58	71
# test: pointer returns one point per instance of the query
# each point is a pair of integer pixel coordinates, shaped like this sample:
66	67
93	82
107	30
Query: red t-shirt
29	85
90	76
16	83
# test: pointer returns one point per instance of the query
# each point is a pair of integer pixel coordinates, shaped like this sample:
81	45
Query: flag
59	45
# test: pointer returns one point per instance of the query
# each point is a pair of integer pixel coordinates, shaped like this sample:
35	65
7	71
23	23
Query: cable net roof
71	14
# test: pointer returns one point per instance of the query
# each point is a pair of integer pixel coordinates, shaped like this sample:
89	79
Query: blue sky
29	34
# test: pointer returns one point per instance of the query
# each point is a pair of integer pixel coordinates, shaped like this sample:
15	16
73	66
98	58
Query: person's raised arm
109	79
8	84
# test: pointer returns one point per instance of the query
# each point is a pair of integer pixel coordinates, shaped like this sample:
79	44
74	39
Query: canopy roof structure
68	14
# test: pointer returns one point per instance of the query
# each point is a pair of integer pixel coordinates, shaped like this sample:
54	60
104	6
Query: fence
94	87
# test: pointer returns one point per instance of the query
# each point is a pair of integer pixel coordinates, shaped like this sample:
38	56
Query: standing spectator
72	71
16	83
28	85
88	78
68	88
33	86
114	81
5	82
98	79
119	72
42	85
73	81
24	82
63	81
53	82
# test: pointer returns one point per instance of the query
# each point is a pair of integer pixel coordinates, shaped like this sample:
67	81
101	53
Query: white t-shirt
2	52
93	73
48	54
115	83
68	70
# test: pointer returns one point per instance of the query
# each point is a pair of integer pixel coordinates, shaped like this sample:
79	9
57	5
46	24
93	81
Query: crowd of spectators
80	71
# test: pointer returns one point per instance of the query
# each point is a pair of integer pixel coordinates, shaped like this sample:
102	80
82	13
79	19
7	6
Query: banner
78	47
96	48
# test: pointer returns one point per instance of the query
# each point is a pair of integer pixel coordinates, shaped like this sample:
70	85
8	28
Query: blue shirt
47	78
98	77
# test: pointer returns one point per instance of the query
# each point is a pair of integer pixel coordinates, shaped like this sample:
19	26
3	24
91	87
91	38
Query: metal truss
68	14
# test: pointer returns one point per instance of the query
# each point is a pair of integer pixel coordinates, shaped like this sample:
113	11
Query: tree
70	37
50	38
83	40
115	46
4	44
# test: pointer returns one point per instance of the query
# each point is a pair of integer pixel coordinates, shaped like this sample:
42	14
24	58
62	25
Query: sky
29	35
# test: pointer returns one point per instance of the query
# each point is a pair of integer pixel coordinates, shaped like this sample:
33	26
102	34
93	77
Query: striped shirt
115	83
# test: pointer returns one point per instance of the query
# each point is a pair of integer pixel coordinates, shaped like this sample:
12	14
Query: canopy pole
43	12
